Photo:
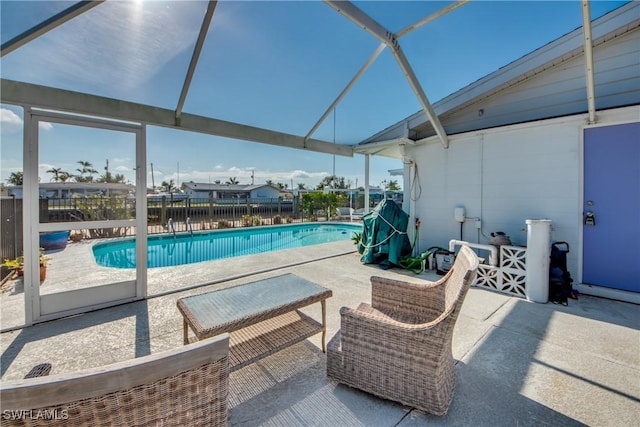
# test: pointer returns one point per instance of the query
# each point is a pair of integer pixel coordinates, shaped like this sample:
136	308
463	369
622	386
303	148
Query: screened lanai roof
267	71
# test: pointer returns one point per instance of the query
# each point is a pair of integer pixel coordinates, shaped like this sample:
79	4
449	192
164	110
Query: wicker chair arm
422	300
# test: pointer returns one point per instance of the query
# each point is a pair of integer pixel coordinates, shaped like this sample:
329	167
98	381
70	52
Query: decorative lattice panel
513	257
487	277
509	276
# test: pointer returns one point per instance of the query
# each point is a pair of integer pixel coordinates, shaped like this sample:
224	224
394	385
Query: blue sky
276	65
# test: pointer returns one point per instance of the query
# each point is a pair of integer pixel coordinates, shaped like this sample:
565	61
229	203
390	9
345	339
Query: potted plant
44	260
17	265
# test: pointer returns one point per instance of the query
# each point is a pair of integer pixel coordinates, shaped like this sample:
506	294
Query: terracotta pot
43	272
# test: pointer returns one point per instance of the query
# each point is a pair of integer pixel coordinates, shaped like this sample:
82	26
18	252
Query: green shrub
251	220
315	202
356	237
223	223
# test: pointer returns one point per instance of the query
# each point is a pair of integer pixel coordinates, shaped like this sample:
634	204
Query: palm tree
56	173
119	178
233	180
331	181
16	178
301	186
87	168
64	176
168	187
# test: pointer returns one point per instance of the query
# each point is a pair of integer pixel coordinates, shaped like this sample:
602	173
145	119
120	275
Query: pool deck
518	362
75	268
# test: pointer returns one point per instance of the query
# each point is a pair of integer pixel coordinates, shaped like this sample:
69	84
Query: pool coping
166	238
78	267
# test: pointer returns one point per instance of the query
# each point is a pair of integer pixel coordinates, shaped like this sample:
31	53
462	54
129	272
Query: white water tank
538	253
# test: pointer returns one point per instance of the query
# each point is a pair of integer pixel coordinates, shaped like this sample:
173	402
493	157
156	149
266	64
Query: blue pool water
186	248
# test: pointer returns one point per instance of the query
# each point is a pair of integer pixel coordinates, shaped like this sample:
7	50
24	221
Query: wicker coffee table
262	317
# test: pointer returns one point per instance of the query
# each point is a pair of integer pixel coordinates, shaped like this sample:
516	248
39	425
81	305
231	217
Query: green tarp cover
384	235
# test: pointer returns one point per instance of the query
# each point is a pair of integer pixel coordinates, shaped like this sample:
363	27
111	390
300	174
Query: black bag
560	280
444	259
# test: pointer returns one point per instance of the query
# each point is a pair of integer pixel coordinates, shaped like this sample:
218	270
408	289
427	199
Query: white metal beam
421	95
47	25
360	18
347	88
588	60
27	94
367	148
387	37
432	17
375	55
206	22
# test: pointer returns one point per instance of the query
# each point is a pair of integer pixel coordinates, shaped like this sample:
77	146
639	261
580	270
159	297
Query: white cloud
300	174
238	171
123	169
243	175
9	120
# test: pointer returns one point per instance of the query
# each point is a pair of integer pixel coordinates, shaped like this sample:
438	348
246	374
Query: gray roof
463	110
202	186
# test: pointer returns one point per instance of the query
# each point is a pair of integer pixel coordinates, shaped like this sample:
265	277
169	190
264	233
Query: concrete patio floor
518	363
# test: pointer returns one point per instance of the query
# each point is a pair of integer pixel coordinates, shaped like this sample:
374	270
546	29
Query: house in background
68	190
525	143
197	190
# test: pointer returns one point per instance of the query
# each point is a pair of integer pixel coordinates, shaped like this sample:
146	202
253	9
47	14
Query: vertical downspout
588	60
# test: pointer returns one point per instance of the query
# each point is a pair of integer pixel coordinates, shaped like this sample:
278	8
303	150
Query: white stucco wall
504	176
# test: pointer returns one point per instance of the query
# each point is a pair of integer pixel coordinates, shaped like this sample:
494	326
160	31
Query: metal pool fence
164	214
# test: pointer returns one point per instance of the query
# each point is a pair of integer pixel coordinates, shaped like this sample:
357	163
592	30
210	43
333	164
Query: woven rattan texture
205	320
399	348
262	339
197	397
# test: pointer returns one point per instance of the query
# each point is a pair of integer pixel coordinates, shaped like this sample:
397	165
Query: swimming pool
186	248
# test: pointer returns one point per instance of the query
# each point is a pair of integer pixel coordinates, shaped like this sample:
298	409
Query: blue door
611	211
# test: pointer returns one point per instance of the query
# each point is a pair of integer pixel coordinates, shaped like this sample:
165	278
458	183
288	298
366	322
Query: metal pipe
588	61
493	250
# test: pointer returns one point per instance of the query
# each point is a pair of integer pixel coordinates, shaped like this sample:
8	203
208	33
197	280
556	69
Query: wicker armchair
399	347
187	386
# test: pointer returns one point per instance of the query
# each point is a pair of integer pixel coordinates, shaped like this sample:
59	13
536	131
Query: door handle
590	219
